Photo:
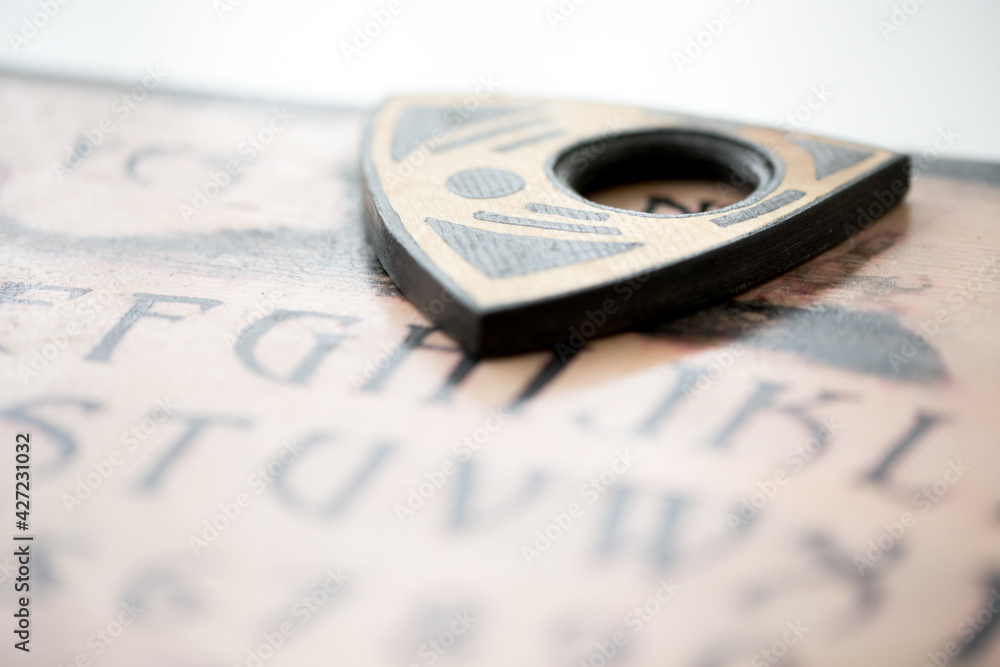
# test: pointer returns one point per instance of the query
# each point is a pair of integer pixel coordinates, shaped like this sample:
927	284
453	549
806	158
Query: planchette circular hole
666	173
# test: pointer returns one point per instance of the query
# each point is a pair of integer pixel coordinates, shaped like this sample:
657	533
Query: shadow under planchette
787	314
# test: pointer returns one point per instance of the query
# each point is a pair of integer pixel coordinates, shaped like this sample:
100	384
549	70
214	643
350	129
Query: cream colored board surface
297	391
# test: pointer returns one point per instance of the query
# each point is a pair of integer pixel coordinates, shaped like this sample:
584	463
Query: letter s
922	503
256	483
96	645
299	610
130	441
624	290
249	151
633	622
119	108
429	657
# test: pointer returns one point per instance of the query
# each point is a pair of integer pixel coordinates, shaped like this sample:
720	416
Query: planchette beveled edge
411	270
751	260
571	317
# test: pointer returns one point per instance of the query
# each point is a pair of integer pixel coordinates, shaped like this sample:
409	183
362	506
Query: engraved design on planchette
477	206
502	255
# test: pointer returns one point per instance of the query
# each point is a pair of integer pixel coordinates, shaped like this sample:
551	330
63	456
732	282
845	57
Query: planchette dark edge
409	267
678	288
666	291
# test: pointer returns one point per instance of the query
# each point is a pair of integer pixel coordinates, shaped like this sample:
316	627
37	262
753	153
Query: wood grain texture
445	185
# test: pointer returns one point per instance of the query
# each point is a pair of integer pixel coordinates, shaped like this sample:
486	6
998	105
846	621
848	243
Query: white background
940	69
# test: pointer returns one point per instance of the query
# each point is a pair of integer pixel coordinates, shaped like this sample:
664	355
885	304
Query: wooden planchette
487	218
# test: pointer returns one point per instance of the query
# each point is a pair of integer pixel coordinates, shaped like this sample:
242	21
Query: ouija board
248	449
